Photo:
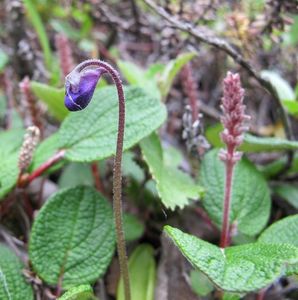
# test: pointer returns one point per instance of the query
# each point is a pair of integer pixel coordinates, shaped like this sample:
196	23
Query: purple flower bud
79	88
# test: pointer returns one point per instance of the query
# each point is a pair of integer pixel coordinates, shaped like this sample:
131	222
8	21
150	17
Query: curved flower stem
117	177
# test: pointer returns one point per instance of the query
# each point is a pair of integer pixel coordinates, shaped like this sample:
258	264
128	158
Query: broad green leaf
133	228
37	23
171	70
250	206
81	292
288	192
13	285
231	296
283	88
175	187
91	134
142	272
200	283
72	237
252	143
52	97
76	174
135	75
240	269
11	142
284	231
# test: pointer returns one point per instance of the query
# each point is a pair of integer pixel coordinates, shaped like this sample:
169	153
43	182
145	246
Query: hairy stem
117	176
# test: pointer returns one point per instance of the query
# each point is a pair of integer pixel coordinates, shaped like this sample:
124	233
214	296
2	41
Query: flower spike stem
233	121
73	80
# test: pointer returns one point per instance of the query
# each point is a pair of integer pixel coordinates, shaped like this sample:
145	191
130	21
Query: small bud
80	87
30	142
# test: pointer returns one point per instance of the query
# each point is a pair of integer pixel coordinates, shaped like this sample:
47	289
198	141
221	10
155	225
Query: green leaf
9	152
175	187
11	140
12	282
91	134
44	151
72	237
200	283
171	70
142	272
284	231
252	143
52	97
242	268
131	168
37	23
135	75
283	88
76	174
81	292
250	206
133	228
288	192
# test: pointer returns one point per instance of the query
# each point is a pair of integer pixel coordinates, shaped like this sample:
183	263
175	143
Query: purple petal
77	98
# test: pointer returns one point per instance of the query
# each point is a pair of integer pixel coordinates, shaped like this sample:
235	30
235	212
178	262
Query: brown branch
205	36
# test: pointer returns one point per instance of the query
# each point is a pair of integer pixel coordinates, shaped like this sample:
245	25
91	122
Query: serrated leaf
52	97
284	231
81	292
133	228
175	188
288	192
250	206
283	88
240	269
12	282
252	143
171	70
142	272
91	134
72	237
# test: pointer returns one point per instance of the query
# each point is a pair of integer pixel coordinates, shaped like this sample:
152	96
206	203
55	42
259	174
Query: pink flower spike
233	116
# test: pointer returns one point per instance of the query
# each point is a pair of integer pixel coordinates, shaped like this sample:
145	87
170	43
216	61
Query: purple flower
80	86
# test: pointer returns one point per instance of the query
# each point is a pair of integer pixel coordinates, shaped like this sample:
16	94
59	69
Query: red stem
96	176
225	233
25	179
261	294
